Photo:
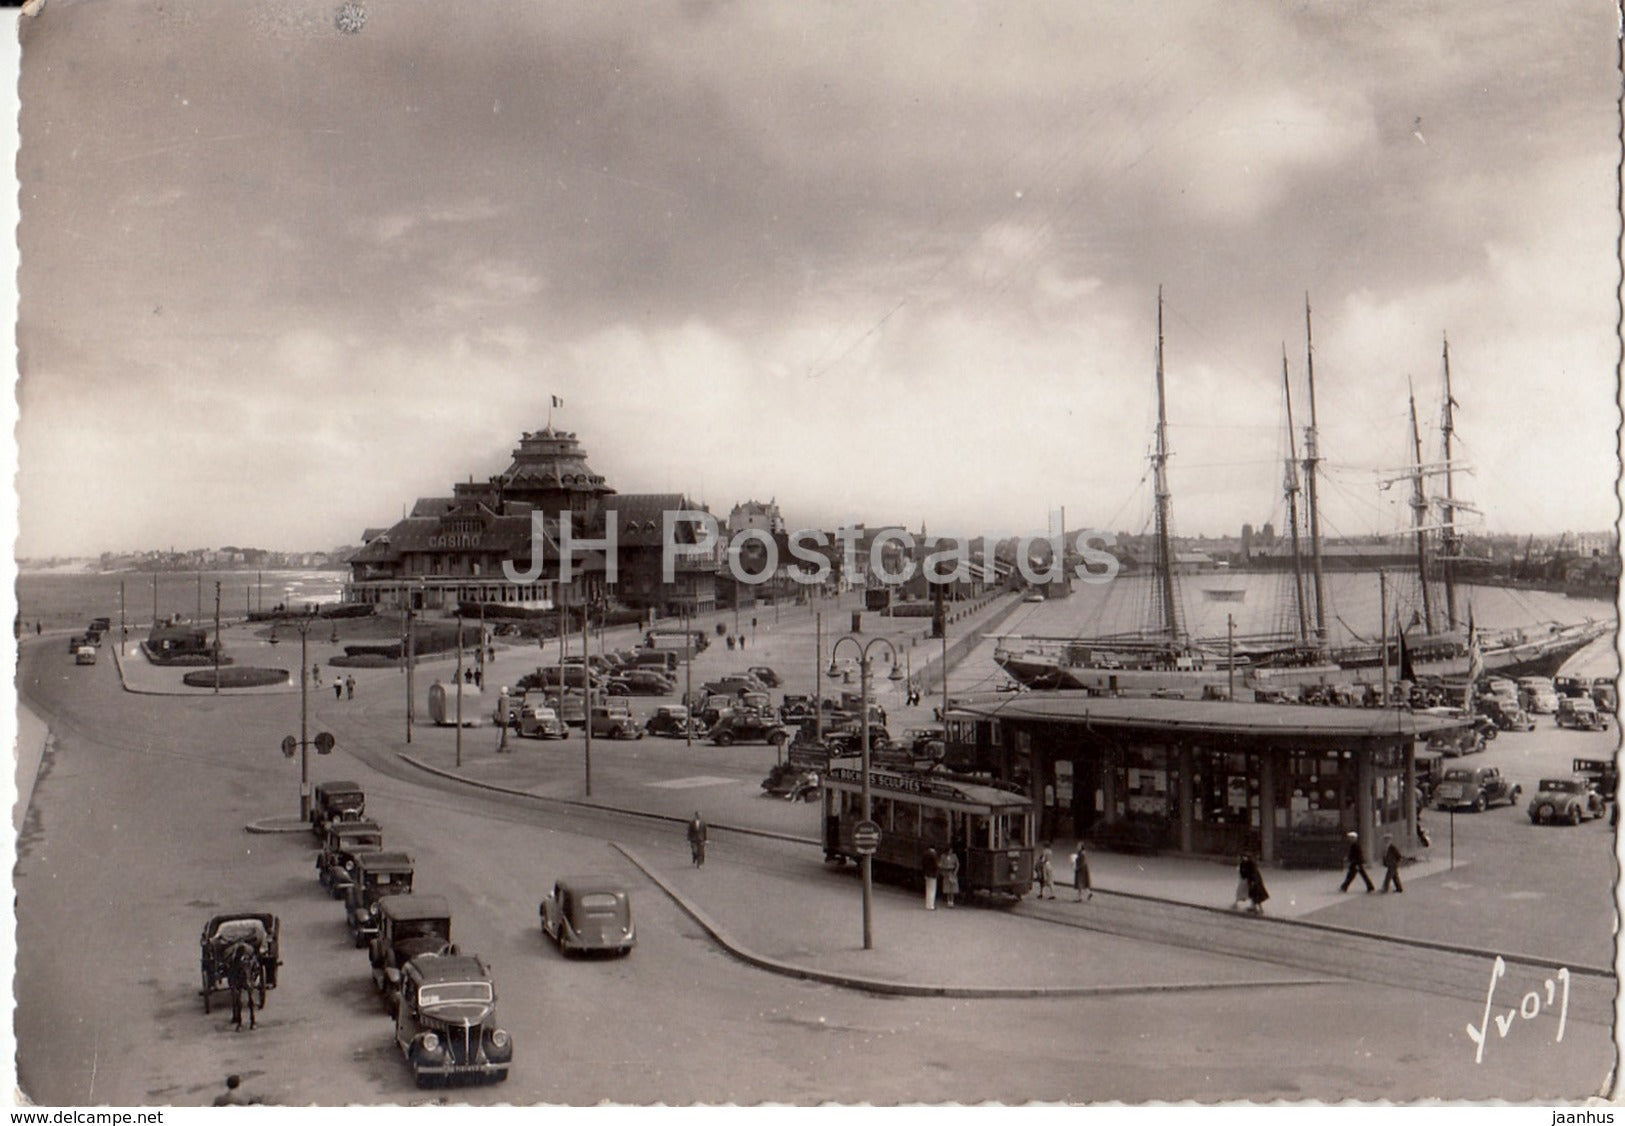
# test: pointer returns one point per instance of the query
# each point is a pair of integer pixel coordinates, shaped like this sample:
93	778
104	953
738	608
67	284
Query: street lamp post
866	861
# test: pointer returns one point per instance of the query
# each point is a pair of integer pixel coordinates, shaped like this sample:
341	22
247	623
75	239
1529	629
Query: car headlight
499	1038
430	1042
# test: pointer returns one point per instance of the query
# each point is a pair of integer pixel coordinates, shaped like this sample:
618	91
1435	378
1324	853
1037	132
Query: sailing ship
1449	653
1163	659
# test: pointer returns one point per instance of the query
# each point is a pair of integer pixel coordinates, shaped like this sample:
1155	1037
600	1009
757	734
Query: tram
992	830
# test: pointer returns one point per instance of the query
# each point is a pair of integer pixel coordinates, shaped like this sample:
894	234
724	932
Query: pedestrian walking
928	865
741	641
1250	884
479	679
948	876
338	690
1356	865
349	687
316	674
1421	831
1080	874
1045	870
1390	862
697	836
730	640
38	629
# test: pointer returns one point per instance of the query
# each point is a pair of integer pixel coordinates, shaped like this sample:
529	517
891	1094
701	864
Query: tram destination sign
885	780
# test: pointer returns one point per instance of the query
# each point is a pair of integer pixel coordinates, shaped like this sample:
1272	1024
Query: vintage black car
588	913
748	727
1475	788
766	675
1505	714
673	722
792	781
335	801
377	874
445	1024
342	843
1581	714
795	708
259	929
640	682
1602	773
408	925
1567	801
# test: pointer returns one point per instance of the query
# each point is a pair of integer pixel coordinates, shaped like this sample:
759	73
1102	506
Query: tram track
1391	960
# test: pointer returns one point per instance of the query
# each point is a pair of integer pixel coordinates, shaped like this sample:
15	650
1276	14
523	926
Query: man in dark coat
1356	863
1390	862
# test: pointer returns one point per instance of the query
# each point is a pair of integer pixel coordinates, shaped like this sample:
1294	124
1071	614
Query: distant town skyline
889	265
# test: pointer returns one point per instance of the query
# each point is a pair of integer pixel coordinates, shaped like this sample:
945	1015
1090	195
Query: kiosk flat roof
1221	717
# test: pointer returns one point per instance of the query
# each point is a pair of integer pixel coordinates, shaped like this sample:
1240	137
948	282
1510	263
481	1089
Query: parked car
1572	686
377	874
748	727
84	655
1457	741
1581	714
660	660
674	722
408	925
536	718
794	709
608	724
640	682
1538	694
344	842
101	625
1605	695
1569	800
445	1023
1476	787
792	781
335	801
1506	714
588	913
766	675
1601	773
566	676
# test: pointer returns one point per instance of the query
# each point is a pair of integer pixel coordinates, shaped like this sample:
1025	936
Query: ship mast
1419	510
1311	464
1165	562
1452	543
1292	505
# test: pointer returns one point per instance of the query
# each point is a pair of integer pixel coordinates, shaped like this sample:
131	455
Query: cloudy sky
288	265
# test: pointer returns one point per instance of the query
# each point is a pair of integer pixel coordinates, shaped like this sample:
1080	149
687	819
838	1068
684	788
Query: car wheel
1574	815
725	740
1479	804
777	738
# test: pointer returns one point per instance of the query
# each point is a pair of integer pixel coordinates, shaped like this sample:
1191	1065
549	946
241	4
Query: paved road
136	835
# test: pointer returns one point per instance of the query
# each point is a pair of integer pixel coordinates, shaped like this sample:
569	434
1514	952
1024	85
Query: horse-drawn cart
240	952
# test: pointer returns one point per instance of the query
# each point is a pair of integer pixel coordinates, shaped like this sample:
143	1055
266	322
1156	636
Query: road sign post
865	838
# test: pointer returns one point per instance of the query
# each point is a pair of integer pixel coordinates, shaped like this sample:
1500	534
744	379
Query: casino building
450	550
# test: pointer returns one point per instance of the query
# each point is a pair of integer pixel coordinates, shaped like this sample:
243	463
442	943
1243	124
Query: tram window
905	819
934	825
880	812
976	833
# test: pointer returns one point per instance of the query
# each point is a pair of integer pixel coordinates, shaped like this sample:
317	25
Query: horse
245	975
